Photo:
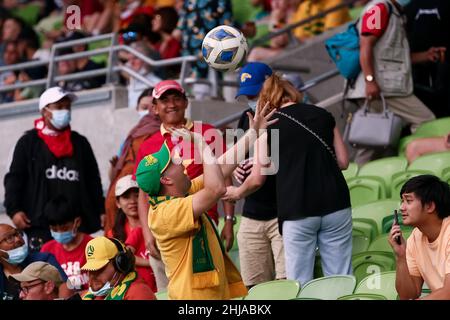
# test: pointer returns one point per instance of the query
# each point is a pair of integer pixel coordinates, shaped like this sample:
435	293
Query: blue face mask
60	118
142	113
403	3
17	255
252	104
63	237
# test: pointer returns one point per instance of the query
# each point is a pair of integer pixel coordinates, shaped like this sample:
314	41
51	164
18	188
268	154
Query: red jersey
187	150
136	240
71	261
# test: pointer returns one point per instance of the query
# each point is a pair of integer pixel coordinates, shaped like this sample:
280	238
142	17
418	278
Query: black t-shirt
309	181
428	25
260	205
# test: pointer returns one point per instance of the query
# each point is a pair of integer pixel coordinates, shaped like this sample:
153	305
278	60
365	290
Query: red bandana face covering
58	142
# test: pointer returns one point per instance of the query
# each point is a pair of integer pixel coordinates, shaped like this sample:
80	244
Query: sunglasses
129	36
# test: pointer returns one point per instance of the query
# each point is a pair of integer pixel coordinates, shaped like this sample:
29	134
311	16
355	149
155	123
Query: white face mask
143	113
403	3
252	104
105	290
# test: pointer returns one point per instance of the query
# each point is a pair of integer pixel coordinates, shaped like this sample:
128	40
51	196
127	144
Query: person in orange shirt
425	257
112	274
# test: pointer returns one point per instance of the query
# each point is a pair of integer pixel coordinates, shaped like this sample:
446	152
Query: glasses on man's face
11	237
26	289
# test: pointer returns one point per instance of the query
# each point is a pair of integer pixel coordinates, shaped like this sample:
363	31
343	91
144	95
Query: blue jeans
332	233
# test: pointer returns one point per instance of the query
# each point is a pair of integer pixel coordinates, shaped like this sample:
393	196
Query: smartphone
397	239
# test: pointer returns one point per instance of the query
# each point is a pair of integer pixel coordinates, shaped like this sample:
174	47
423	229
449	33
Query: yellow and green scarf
119	291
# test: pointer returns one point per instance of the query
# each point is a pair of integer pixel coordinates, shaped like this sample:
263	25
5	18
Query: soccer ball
224	48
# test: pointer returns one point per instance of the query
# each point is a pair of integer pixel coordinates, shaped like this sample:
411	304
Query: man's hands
372	90
21	220
435	54
227	234
243	170
233	194
399	249
153	248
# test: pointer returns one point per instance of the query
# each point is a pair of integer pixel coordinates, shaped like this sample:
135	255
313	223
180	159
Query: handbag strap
310	131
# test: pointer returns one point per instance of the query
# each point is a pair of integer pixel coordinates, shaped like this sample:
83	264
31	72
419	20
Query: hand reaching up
260	120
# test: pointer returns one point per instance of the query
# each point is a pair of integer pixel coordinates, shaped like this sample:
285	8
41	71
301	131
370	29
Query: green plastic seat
435	162
351	171
438	127
381	242
365	226
274	290
366	263
328	288
363	296
399	179
360	243
379	283
366	189
446	175
161	295
384	168
376	211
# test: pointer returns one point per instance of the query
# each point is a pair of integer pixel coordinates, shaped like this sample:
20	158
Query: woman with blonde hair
313	201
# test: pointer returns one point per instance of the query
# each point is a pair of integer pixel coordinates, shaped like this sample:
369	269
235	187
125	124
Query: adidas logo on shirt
62	174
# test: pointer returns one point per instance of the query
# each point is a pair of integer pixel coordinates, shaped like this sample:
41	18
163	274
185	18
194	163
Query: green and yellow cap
149	170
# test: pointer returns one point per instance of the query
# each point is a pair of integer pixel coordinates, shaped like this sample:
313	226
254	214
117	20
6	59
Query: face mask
60	118
103	291
252	104
17	255
403	3
63	237
142	113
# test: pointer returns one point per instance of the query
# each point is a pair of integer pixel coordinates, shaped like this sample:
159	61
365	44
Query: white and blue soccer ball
224	48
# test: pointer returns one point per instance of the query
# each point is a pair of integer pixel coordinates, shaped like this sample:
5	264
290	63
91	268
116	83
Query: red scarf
59	142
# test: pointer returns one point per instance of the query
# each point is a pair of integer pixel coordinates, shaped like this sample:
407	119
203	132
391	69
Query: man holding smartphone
425	256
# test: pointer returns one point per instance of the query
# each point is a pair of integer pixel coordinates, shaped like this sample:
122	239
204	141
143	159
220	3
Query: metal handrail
292	26
24	65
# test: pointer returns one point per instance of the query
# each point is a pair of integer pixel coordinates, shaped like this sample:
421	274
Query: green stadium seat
435	162
274	290
161	295
384	168
328	288
363	296
366	263
360	243
366	189
379	283
351	171
399	179
446	175
234	256
376	211
438	127
366	227
381	242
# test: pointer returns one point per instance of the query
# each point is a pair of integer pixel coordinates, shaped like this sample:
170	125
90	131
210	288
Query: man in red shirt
386	60
68	244
170	103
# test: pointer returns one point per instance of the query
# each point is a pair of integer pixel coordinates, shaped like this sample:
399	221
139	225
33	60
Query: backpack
343	49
